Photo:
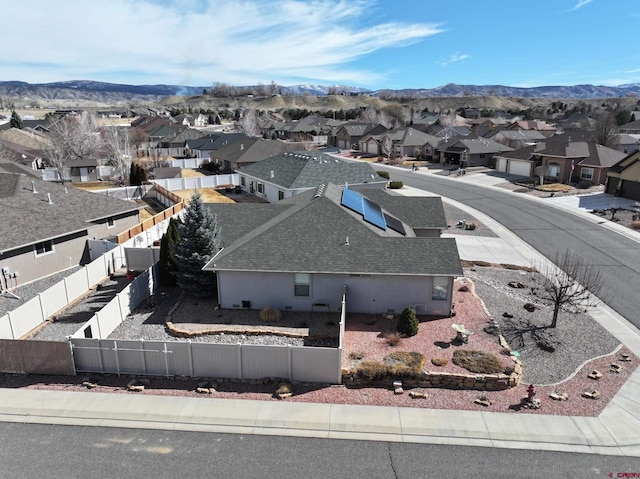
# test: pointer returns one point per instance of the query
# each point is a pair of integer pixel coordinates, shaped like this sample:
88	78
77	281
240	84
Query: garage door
372	147
522	168
342	144
501	165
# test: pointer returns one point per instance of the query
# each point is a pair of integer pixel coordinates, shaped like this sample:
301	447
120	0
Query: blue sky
373	44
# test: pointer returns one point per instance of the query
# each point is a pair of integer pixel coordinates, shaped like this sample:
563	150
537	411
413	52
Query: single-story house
623	178
50	224
290	173
240	154
315	245
468	152
404	142
348	135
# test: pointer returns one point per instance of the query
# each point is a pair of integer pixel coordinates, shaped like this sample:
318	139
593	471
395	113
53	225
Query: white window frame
440	288
111	222
260	188
554	167
302	284
589	171
46	247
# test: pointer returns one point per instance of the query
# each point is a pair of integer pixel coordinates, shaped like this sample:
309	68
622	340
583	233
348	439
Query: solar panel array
370	211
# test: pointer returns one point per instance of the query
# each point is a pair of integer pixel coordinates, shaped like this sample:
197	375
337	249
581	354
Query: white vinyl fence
92	352
31	314
213	181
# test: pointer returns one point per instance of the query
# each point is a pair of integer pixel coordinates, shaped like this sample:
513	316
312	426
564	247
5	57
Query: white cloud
454	58
196	42
580	4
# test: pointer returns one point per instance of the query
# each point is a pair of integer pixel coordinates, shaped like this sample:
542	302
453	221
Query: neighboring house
547	130
50	224
516	138
205	146
632	128
192	119
564	161
291	173
174	144
623	178
319	244
467	152
348	135
567	161
628	143
241	154
403	142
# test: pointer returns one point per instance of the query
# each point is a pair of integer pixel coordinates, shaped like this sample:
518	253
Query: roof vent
49	198
33	186
273	174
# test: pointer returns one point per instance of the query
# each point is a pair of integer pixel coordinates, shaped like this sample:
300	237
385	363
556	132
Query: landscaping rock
625	357
507	315
591	394
482	401
515	284
89	385
616	368
398	391
595	374
530	307
284	391
417	395
136	388
464	288
204	390
556	396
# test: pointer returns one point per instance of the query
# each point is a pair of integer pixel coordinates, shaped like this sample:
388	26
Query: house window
260	188
440	288
586	174
111	222
43	248
242	182
280	195
554	169
301	283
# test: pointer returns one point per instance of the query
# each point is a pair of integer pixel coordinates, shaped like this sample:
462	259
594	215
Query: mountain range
116	92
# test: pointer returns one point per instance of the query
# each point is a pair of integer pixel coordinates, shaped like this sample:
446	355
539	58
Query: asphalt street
32	450
550	231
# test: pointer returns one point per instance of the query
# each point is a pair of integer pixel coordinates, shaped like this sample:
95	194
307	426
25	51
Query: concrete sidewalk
615	432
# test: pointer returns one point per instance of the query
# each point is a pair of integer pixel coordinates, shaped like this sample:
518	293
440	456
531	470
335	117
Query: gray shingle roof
311	236
308	169
29	218
424	212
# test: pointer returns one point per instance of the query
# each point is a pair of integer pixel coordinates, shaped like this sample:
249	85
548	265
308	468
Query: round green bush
384	174
395	185
408	322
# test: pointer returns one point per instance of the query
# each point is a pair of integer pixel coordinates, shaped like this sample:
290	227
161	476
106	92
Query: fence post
115	350
144	361
13	335
190	359
239	361
166	359
289	362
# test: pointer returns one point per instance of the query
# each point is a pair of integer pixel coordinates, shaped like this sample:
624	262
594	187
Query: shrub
393	338
481	362
471	226
384	174
371	370
408	322
636	225
395	185
356	355
269	315
404	363
439	361
584	184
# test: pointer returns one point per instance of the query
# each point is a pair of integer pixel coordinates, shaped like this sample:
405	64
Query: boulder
591	394
556	396
284	391
417	395
595	374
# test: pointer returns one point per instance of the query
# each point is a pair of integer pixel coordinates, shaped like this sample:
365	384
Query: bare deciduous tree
248	124
605	132
73	138
571	285
117	143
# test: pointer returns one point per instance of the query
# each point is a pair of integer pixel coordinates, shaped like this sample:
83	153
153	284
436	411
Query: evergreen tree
199	242
16	121
408	322
134	177
167	266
